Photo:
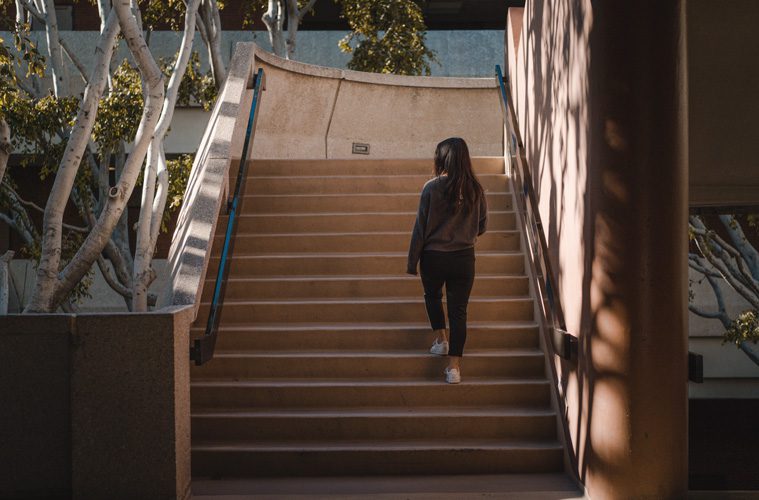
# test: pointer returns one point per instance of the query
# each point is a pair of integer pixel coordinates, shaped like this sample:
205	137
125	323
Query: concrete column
635	356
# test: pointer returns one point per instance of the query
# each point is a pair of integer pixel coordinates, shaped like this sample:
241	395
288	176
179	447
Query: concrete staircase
321	364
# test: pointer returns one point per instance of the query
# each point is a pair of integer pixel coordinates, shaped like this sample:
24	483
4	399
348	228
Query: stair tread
497	325
363	300
389	445
351	255
353	382
330	353
349	412
354	277
350	233
361	176
352	214
342	195
248	387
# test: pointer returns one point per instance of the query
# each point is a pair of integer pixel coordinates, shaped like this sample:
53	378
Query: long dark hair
463	191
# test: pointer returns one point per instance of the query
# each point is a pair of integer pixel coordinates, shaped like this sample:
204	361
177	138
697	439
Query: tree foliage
387	36
725	255
41	123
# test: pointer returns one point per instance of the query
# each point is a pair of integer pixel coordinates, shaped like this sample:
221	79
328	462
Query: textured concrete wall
35	415
314	112
601	94
96	406
296	111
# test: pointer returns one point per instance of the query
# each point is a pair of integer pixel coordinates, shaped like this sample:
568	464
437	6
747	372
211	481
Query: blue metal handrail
564	344
203	348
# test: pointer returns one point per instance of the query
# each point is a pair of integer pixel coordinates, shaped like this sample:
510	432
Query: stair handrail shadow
202	349
563	343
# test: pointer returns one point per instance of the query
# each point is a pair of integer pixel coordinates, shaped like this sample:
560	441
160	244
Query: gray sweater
437	229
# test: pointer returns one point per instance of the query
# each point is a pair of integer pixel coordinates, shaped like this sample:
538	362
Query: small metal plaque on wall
360	148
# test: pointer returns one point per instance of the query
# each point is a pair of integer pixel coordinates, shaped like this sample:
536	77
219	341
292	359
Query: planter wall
95	405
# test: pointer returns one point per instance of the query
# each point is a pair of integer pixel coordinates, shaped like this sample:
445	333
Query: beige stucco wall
314	112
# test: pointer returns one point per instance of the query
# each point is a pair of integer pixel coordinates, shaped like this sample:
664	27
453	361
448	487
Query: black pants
455	270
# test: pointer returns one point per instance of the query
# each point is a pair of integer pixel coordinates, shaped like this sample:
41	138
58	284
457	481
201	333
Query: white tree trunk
295	16
47	271
210	28
274	19
55	53
153	203
5	271
5	147
152	79
19	12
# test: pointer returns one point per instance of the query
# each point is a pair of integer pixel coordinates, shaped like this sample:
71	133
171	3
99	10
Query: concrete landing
516	486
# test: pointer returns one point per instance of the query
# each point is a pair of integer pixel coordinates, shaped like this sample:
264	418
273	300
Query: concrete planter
95	405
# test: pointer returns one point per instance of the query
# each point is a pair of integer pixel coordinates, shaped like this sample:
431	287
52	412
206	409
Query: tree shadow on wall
557	136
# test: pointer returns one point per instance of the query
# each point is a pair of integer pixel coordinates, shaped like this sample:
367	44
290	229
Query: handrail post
202	348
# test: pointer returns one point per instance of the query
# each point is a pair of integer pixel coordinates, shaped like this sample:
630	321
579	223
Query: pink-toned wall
600	94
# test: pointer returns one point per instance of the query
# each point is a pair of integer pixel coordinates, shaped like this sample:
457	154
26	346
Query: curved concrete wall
314	112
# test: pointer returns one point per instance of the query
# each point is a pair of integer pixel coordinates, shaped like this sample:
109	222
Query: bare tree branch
5	146
154	197
210	31
748	351
66	48
747	251
729	277
720	313
710	246
152	79
42	299
695	263
111	280
733	262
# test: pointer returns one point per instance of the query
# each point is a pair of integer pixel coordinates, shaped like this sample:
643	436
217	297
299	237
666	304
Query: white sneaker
439	348
452	376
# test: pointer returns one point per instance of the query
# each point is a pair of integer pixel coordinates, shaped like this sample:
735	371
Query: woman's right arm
417	234
483	215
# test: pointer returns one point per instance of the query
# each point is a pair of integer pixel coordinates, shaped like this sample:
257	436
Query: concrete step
526	363
371	310
556	486
345	424
352	264
276	287
387	241
341	222
315	392
334	184
345	202
481	165
365	337
248	459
